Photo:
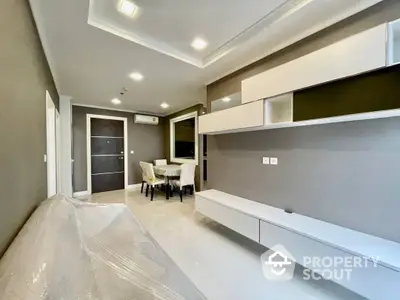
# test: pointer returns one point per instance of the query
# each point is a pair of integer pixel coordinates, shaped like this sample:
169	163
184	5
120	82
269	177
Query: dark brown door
107	154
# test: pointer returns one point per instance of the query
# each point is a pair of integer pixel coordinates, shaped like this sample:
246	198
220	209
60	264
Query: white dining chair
186	178
160	162
142	166
151	179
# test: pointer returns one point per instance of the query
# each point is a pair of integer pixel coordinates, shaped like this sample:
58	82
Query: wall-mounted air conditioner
143	119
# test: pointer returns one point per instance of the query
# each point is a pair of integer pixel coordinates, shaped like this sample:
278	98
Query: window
184	139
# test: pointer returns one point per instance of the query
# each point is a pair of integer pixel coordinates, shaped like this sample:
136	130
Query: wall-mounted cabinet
357	54
354	79
236	118
251	116
373	95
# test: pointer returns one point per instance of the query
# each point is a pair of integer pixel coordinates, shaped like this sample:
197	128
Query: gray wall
347	174
24	79
146	140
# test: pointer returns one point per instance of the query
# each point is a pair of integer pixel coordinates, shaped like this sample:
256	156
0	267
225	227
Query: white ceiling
92	48
158	24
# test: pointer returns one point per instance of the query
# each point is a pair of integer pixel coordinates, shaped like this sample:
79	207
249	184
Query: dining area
163	178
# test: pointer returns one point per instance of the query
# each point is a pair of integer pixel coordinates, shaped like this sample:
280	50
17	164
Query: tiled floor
221	263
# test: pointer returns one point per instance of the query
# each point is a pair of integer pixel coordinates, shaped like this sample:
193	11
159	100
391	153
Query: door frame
58	151
89	147
51	146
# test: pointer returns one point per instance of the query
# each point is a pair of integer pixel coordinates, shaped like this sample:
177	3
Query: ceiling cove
104	15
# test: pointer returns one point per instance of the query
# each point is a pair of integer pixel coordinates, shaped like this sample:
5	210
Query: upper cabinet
257	115
354	79
237	118
357	54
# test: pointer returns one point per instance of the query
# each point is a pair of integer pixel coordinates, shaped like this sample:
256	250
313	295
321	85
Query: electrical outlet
266	160
274	160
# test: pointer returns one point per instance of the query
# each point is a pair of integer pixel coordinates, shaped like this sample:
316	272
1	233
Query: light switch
274	160
266	160
132	152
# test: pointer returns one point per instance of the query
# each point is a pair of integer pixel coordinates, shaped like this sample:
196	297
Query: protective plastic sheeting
71	250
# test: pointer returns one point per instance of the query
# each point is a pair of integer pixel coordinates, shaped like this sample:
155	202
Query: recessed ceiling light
226	99
199	44
116	101
127	8
136	76
164	105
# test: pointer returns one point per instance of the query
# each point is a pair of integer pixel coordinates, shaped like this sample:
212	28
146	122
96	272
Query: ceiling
92	48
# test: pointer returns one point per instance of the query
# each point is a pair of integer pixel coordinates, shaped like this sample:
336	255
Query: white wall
66	145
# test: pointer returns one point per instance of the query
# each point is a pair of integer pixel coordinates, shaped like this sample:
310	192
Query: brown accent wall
167	139
24	78
385	11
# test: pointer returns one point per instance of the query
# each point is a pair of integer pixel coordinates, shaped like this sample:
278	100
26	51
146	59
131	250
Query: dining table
168	171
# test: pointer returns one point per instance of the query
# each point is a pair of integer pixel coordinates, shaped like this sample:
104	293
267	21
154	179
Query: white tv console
378	278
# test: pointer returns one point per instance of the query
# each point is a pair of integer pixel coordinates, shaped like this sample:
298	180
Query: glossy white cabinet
251	116
359	274
241	117
242	223
357	54
373	262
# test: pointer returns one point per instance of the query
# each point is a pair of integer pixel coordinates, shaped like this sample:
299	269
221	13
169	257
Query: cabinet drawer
239	117
235	220
371	281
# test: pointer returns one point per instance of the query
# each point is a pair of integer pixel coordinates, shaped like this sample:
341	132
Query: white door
51	146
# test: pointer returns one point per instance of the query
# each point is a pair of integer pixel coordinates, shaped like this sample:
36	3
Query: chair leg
192	190
141	191
152	193
181	194
147	190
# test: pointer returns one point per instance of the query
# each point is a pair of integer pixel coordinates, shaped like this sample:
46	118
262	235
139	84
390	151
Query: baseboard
131	187
134	187
81	193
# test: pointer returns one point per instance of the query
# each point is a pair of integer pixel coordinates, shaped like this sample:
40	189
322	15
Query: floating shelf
340	119
364	59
